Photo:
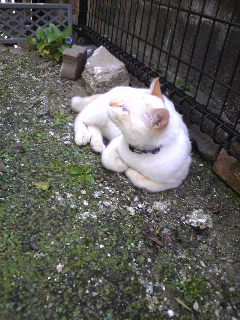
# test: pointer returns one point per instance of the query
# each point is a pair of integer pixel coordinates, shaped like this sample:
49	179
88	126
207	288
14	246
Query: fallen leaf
156	241
182	303
1	166
21	149
42	185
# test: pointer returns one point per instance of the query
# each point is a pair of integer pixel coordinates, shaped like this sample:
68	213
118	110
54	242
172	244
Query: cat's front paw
82	138
97	146
120	166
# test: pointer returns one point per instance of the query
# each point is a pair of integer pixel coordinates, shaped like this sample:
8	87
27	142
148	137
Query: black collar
138	151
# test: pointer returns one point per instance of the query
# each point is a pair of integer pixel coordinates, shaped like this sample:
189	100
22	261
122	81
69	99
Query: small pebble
202	264
33	245
195	306
59	267
171	313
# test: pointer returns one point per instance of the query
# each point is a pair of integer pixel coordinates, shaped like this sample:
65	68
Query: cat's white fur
142	118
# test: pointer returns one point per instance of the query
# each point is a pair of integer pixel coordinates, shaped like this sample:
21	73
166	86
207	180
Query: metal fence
20	19
194	46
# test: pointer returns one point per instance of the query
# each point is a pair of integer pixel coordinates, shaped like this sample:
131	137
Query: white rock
59	267
161	206
198	219
171	313
103	71
195	306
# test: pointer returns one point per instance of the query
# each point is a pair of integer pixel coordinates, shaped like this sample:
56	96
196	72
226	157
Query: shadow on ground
79	242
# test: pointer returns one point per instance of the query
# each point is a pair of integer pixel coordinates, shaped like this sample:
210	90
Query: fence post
82	17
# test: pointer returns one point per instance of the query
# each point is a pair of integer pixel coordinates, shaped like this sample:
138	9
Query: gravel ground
79	242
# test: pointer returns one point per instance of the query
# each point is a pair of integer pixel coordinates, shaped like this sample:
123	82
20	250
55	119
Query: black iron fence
194	46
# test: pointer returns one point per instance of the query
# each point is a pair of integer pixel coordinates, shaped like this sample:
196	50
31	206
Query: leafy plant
182	84
82	173
61	117
51	41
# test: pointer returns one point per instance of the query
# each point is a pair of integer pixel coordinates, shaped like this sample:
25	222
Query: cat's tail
79	103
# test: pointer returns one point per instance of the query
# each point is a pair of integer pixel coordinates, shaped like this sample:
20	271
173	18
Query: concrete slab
103	71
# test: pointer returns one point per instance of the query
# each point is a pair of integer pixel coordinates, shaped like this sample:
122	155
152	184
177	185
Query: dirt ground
80	242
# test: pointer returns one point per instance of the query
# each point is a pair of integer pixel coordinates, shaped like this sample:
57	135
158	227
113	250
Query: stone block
228	168
207	148
74	60
103	71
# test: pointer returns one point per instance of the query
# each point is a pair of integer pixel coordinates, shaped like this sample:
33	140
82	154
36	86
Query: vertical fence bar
164	30
182	44
128	25
106	23
123	20
172	40
222	51
140	30
207	47
82	17
155	33
118	20
134	28
148	25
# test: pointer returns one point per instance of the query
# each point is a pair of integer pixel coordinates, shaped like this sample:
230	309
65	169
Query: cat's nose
116	103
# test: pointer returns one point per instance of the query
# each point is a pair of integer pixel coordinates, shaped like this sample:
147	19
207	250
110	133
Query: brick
74	60
228	168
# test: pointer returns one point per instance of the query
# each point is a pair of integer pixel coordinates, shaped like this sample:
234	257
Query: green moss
194	287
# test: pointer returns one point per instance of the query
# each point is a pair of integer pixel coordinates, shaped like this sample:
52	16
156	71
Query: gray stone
103	71
195	306
74	60
198	220
205	145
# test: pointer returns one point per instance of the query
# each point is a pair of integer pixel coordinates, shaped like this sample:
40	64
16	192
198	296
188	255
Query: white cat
149	140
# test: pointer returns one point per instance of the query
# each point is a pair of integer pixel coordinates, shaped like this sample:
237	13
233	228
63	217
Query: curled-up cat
148	138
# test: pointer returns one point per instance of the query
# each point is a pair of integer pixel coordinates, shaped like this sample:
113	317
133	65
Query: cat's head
142	117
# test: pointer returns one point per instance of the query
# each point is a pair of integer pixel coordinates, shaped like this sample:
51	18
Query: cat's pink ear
159	118
156	89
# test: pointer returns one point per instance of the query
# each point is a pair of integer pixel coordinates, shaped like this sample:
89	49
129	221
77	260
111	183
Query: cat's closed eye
116	103
124	108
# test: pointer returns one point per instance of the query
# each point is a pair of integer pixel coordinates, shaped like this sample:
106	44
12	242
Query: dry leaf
182	303
1	166
156	241
21	149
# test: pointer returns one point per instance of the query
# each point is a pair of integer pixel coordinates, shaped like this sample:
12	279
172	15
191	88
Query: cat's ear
158	118
156	89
